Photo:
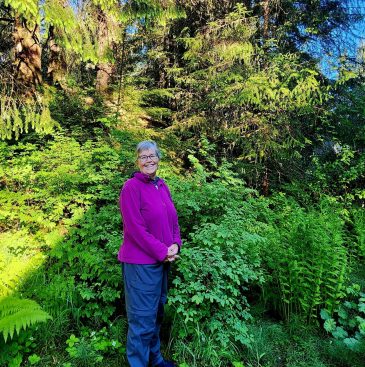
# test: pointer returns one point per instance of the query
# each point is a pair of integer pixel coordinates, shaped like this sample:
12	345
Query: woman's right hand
172	253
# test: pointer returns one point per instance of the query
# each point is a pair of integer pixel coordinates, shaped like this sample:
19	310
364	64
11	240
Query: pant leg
155	352
142	284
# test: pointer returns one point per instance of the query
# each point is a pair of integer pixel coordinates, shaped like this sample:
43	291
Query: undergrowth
61	230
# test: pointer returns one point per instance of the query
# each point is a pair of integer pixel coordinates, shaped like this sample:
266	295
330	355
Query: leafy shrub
96	272
92	347
340	174
13	353
347	324
220	260
206	196
50	192
78	113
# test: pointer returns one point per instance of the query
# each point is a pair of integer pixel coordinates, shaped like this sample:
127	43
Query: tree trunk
104	68
57	66
27	54
265	183
266	6
103	76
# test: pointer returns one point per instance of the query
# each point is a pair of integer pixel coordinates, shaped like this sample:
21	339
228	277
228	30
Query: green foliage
17	314
96	272
359	229
257	103
71	32
19	254
211	193
34	359
79	113
221	258
202	349
28	9
92	347
160	97
276	344
151	11
217	45
19	117
13	353
347	323
343	165
306	258
338	166
48	190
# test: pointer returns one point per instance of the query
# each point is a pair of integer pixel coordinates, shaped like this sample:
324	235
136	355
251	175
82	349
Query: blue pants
145	288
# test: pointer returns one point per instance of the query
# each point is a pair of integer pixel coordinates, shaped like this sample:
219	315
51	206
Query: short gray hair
148	144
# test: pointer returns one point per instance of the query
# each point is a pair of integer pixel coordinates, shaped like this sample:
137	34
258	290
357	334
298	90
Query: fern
310	262
17	314
359	226
19	255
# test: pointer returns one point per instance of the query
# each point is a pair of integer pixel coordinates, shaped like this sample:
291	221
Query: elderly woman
151	242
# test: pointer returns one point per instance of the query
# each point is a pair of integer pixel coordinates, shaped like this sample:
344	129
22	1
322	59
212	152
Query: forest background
259	108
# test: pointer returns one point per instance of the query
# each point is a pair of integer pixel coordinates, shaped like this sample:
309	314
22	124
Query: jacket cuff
161	256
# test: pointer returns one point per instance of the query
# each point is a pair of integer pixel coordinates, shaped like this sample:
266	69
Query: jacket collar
145	178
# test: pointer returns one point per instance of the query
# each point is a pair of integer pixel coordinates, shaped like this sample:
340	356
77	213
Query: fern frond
17	314
12	274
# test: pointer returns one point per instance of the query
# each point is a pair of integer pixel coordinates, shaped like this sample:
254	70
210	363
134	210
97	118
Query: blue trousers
145	289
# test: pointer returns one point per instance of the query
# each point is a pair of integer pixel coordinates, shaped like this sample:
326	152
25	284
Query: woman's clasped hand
172	253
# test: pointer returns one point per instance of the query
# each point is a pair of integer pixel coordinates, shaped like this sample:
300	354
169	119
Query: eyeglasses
145	158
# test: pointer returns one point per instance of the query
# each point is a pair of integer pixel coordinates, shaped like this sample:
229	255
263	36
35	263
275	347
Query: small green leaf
340	333
238	364
330	325
342	313
197	298
351	343
325	315
34	359
362	307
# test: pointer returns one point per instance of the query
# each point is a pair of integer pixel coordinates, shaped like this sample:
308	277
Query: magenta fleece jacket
150	222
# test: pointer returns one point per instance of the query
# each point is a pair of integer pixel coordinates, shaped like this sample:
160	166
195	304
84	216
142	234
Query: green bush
219	261
347	323
12	354
95	271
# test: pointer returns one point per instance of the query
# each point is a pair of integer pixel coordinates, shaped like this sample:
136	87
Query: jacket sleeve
176	230
135	226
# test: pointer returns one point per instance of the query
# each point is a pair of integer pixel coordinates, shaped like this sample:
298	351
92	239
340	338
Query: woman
151	242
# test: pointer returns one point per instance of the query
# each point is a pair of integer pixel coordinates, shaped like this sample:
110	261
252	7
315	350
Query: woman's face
148	162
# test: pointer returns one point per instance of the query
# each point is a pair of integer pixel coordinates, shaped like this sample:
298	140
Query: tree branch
9	20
